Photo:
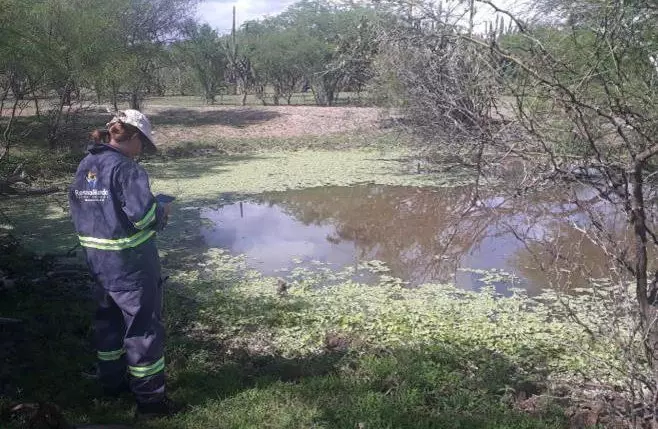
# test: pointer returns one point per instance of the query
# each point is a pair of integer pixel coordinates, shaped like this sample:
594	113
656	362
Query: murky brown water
423	235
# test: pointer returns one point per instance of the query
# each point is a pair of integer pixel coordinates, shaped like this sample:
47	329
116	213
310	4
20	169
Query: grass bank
345	356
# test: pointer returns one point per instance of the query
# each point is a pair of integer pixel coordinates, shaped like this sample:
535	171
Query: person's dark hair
100	136
120	132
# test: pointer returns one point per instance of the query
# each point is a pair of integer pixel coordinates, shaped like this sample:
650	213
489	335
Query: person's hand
167	211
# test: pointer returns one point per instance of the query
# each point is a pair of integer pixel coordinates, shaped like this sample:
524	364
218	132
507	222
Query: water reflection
423	235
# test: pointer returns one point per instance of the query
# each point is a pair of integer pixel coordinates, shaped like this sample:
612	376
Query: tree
51	46
336	45
206	54
140	33
357	52
178	75
327	46
578	115
241	74
277	56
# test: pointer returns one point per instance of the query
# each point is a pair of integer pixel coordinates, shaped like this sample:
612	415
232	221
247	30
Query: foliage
66	46
141	34
204	52
275	57
386	315
330	47
446	89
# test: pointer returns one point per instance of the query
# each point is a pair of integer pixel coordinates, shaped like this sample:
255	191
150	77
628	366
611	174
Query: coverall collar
97	148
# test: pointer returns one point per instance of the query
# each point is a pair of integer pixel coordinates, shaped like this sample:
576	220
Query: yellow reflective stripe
126	240
112	355
148	218
119	243
146	371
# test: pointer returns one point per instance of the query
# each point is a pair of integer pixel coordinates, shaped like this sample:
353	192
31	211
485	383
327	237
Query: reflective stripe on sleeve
147	371
148	219
116	244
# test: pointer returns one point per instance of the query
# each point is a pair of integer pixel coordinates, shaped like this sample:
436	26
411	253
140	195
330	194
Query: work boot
154	410
91	373
113	392
116	391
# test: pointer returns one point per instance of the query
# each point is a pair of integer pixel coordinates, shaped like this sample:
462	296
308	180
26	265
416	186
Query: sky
218	13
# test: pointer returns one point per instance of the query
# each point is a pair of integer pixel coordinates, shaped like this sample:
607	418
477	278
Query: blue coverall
116	218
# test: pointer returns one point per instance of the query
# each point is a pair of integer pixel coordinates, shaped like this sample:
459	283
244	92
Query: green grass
245	358
332	142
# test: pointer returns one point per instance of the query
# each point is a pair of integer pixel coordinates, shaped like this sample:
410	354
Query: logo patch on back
92	178
92	195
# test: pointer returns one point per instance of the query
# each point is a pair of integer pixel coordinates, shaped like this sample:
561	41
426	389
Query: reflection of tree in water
422	234
565	244
565	259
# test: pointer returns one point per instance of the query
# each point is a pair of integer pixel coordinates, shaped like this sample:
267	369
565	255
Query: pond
423	235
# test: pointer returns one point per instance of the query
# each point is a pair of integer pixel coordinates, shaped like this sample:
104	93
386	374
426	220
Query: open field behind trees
296	99
27	107
213	123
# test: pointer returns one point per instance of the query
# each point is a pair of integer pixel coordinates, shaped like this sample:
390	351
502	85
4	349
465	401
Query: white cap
138	120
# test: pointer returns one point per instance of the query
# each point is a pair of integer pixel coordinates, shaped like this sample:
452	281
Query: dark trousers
129	336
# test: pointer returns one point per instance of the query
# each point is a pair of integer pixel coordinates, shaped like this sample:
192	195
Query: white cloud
219	13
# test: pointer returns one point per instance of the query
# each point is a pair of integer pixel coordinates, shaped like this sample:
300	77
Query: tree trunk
2	100
320	96
36	106
209	93
324	92
331	97
17	86
6	134
134	99
114	96
67	91
56	117
648	310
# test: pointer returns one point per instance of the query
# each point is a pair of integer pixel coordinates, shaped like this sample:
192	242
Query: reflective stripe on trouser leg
148	370
144	339
109	330
111	355
148	381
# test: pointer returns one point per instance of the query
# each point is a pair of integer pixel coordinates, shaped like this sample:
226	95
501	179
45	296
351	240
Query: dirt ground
177	123
174	124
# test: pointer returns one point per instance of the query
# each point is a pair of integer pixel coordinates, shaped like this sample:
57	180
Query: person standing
116	218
